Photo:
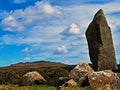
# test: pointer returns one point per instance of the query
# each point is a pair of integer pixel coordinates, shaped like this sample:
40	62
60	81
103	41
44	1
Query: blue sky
51	30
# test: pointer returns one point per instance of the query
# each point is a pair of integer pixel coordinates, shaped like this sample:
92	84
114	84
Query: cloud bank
18	20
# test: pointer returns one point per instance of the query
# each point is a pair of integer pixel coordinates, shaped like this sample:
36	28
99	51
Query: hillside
36	64
51	71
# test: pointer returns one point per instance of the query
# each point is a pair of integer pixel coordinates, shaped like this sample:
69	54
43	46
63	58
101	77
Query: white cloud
17	20
48	9
83	14
27	58
43	34
60	50
10	23
26	50
35	35
19	1
71	30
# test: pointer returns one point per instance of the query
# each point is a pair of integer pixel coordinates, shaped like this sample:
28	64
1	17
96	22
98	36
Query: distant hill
39	64
36	64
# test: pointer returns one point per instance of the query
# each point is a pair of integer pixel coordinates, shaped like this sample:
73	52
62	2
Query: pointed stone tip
99	12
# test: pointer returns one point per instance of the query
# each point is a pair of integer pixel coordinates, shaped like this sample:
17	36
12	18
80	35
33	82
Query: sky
52	30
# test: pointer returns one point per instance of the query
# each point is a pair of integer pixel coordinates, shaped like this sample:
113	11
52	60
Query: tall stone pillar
100	43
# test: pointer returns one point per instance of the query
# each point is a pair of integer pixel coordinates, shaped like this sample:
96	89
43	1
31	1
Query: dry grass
3	87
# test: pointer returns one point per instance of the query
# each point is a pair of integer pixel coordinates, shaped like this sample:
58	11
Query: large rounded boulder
80	72
32	78
103	79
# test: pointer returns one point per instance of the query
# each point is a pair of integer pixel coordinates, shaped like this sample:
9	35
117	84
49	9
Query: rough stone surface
79	73
32	78
106	80
60	88
116	83
106	87
101	78
118	74
70	82
62	80
101	49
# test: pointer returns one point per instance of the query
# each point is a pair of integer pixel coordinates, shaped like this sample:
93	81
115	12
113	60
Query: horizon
52	30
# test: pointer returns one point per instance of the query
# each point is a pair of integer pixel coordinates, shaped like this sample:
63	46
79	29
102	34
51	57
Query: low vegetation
13	87
10	78
13	75
40	87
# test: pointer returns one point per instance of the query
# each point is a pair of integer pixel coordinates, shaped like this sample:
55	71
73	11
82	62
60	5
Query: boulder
80	72
106	79
70	82
100	43
116	83
32	78
118	74
101	78
106	87
62	80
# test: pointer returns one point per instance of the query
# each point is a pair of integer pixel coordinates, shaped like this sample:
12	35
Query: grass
13	87
41	87
75	88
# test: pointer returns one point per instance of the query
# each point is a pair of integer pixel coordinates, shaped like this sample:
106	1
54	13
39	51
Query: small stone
70	82
63	80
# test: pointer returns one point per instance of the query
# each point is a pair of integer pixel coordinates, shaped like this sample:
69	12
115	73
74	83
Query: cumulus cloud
83	15
27	58
10	23
60	50
26	50
71	30
18	19
35	35
48	9
19	1
43	13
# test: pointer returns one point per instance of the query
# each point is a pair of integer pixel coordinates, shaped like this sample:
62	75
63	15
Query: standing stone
101	49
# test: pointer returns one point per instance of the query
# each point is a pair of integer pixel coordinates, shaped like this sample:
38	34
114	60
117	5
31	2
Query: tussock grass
13	87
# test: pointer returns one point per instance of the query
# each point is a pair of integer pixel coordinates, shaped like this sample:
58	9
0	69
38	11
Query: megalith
100	43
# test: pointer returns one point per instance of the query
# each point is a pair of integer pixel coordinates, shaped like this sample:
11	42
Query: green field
41	87
13	87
